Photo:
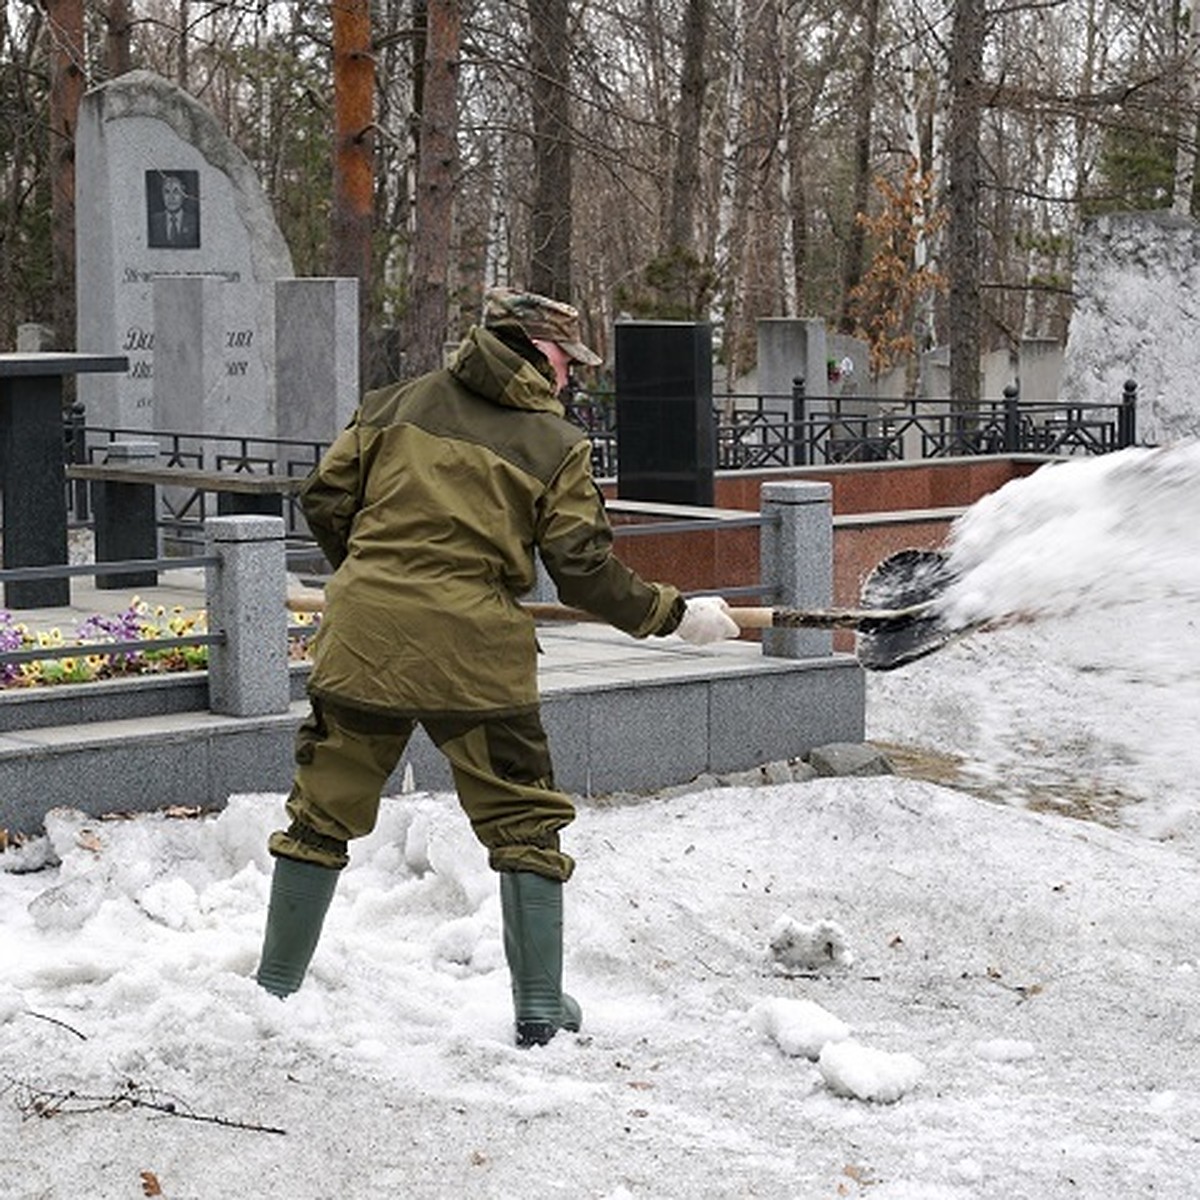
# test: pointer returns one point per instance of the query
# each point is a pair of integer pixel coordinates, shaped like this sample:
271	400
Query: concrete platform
621	714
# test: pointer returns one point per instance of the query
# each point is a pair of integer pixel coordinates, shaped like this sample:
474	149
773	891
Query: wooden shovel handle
308	601
748	617
313	601
744	618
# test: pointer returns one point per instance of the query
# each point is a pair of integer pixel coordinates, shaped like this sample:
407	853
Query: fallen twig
34	1101
37	1016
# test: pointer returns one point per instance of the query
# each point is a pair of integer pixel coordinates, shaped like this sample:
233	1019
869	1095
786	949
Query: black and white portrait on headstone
173	209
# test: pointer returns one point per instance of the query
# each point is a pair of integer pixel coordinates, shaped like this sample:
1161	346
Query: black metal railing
184	513
751	432
109	646
754	432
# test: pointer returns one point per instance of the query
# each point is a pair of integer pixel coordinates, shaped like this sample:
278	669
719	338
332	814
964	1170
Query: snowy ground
1000	999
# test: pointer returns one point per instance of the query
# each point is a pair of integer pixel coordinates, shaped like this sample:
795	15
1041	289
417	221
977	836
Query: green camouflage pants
501	769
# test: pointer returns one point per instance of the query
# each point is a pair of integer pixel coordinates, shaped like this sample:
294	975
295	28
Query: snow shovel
905	588
899	620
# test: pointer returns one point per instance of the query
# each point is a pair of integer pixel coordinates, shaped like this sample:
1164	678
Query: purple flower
102	627
10	639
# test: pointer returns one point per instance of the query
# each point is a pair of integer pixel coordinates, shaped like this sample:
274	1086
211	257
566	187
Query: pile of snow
810	946
851	1069
800	1028
1018	980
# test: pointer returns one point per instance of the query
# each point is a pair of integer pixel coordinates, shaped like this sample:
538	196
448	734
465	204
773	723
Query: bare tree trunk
685	175
420	49
757	221
854	263
425	323
802	86
181	60
65	25
679	277
966	67
1187	150
118	52
354	150
795	211
729	231
550	221
924	314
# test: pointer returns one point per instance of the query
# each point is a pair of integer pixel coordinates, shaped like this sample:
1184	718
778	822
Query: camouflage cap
541	318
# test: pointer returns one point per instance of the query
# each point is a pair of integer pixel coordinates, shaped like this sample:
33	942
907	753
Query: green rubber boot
300	896
531	906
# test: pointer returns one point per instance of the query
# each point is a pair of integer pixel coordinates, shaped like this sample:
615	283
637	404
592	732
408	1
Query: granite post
796	551
317	357
189	383
247	670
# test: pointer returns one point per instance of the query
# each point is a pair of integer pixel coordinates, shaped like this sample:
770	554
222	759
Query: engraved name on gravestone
162	192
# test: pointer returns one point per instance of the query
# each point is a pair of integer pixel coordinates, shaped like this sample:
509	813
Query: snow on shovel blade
901	581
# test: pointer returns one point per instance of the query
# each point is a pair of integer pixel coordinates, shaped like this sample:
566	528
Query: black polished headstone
665	429
32	455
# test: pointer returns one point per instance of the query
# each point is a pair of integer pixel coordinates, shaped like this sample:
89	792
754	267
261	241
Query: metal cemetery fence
184	514
801	430
751	432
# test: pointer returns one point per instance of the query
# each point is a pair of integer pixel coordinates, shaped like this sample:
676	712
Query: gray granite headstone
1039	368
190	391
161	191
935	374
316	341
34	338
788	348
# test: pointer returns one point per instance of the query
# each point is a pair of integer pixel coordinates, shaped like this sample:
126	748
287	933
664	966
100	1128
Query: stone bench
125	505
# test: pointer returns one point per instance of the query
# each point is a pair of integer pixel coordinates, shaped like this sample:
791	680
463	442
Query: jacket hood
497	372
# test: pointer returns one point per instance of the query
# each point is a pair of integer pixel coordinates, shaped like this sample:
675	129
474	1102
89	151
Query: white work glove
706	620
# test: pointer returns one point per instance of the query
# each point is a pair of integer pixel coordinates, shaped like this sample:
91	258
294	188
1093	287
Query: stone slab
638	735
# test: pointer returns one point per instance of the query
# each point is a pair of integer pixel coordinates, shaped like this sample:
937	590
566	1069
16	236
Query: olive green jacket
430	505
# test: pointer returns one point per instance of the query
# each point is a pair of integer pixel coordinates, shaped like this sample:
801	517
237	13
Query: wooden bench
125	505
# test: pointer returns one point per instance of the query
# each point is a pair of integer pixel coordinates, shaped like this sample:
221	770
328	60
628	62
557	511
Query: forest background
911	171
